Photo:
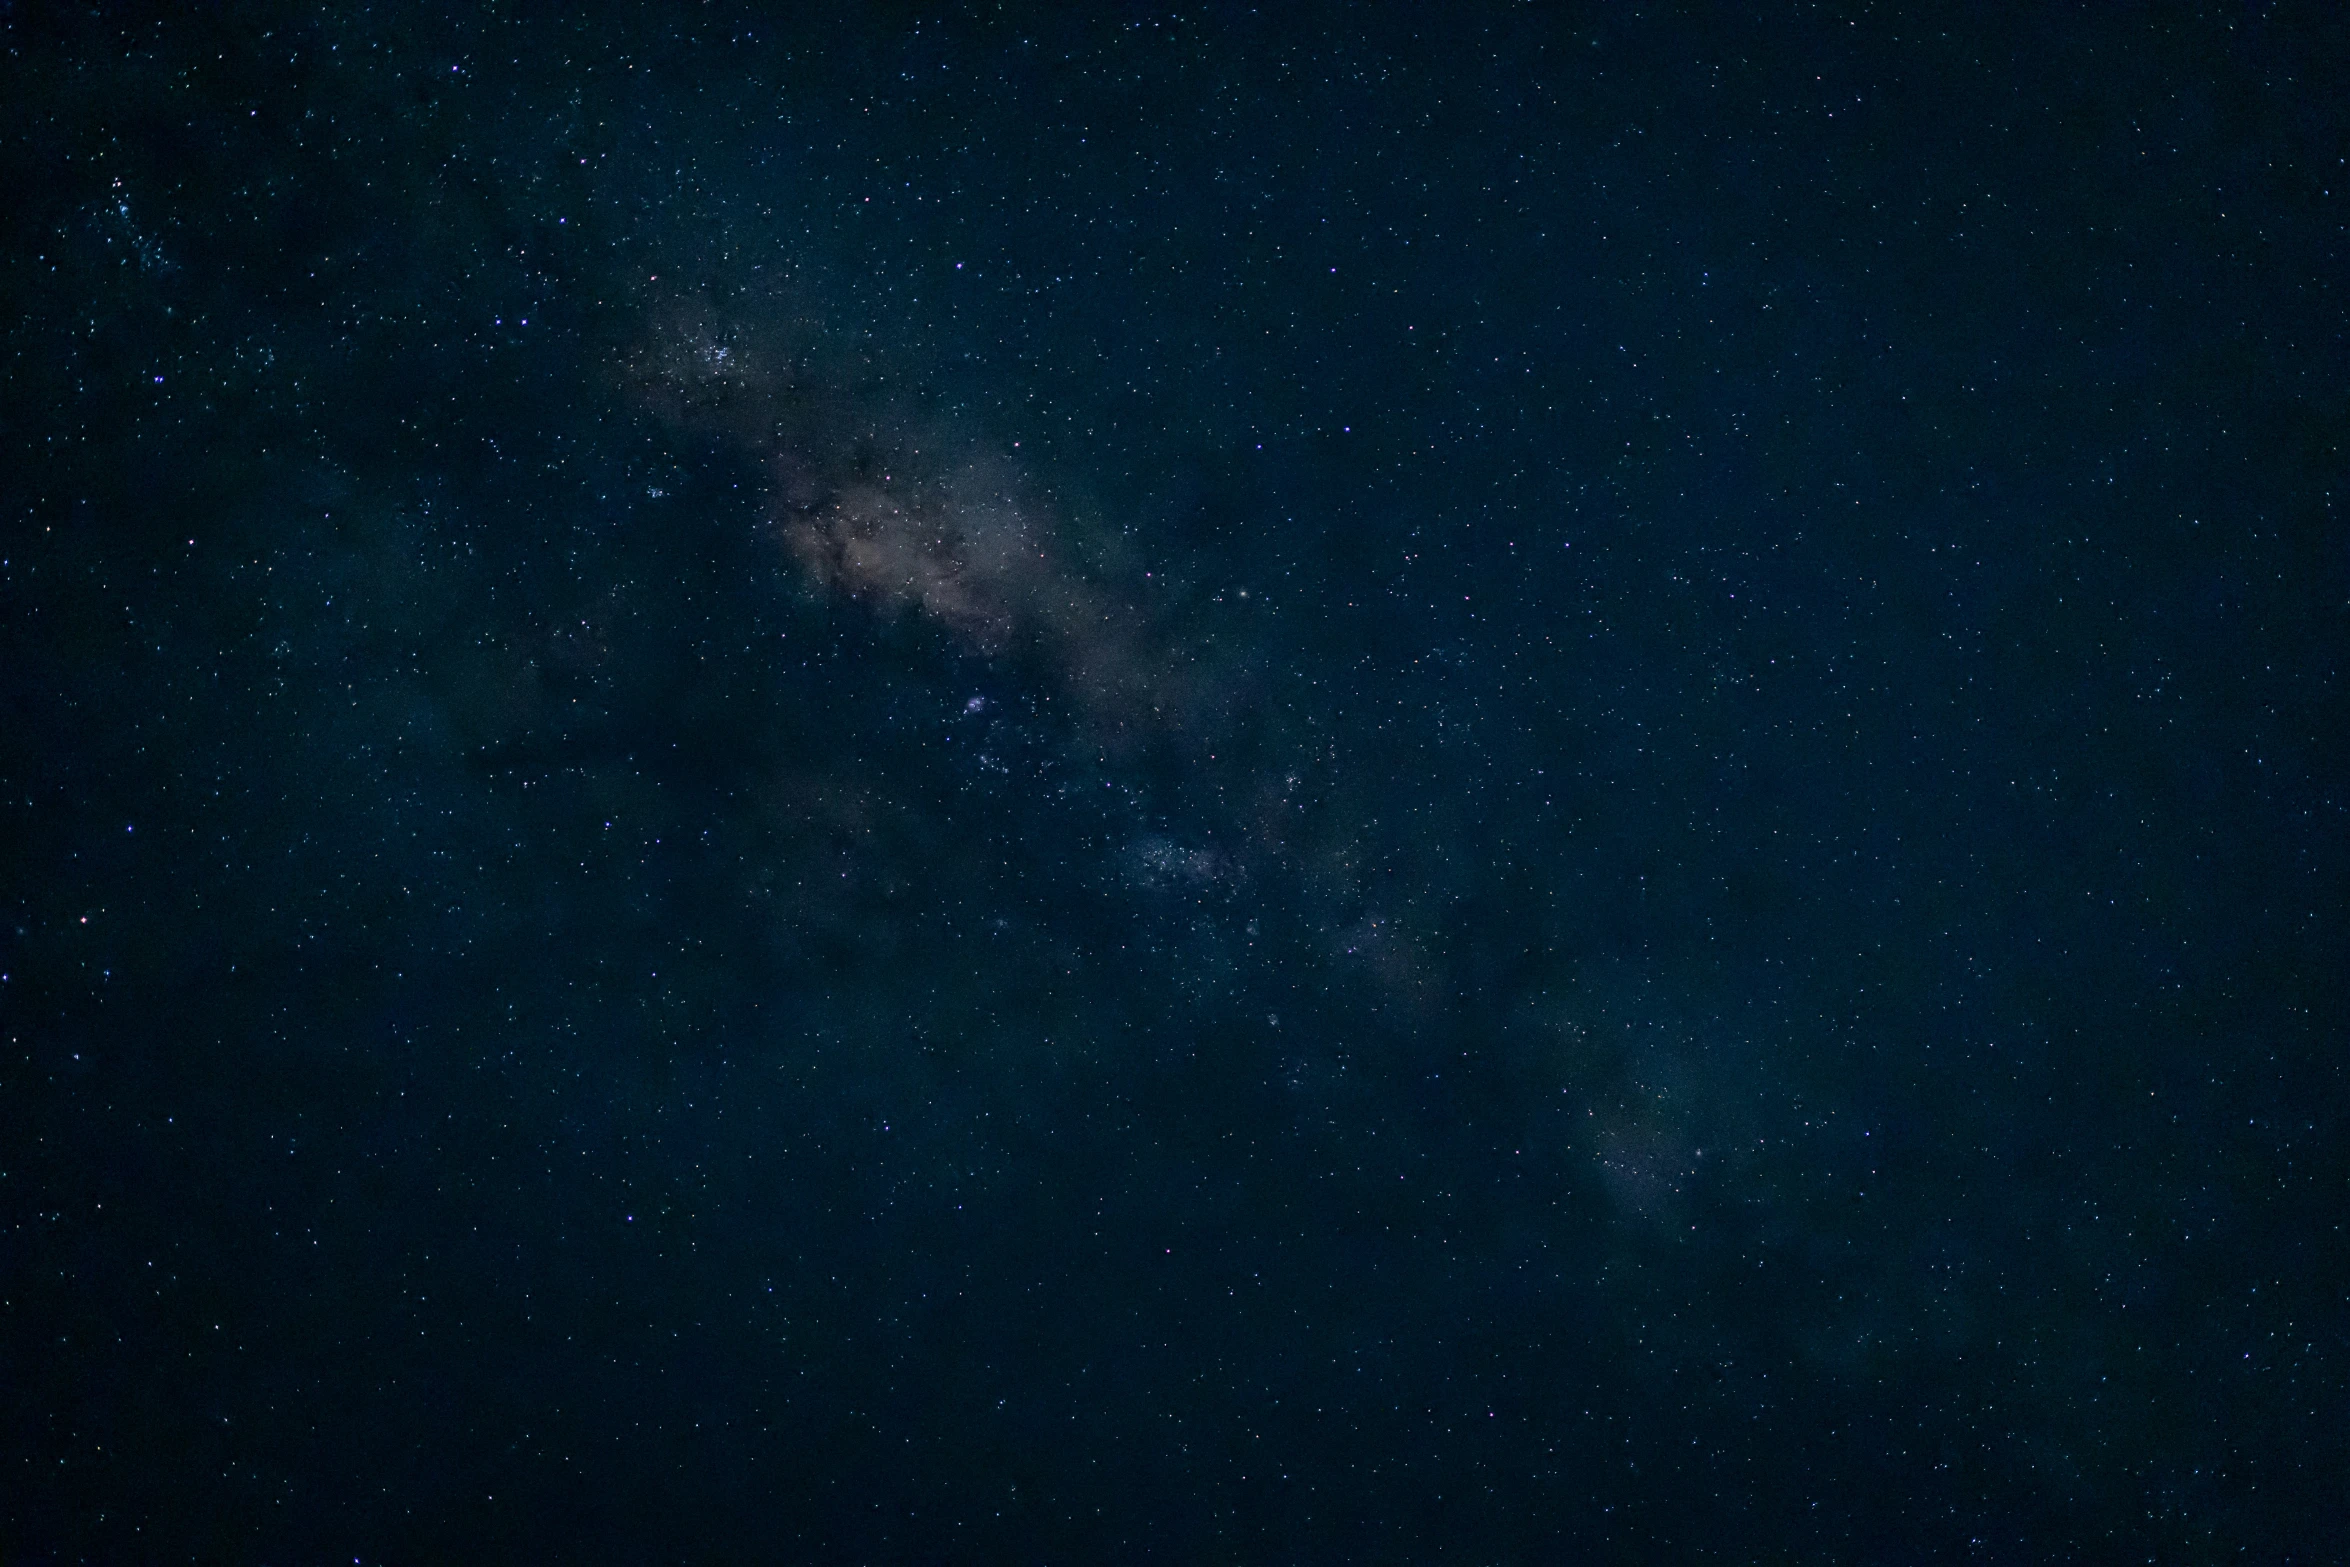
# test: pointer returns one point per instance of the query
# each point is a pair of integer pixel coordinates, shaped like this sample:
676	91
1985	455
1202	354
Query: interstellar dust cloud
908	514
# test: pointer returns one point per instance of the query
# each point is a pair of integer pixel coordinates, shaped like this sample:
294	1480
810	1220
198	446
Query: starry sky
1248	784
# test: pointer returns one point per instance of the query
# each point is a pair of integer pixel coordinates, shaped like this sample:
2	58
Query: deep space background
1246	784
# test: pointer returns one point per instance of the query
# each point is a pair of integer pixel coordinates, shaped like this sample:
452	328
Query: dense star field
1260	785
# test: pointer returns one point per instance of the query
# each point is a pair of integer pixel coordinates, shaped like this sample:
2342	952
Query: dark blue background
1736	949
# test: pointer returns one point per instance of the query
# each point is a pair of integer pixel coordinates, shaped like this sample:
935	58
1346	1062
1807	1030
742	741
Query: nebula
907	514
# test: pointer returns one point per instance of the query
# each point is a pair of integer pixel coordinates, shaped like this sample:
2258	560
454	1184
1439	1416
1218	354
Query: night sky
1256	785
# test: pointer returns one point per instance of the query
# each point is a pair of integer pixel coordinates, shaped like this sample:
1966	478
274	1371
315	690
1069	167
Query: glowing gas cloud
909	515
